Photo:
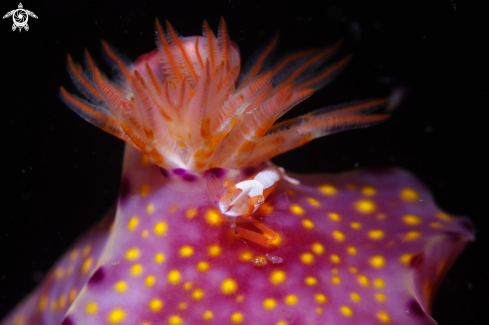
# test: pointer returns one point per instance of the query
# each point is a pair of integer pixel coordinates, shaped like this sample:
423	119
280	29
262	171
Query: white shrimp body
238	200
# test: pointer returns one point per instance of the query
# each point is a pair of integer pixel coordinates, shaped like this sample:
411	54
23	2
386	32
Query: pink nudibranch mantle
363	247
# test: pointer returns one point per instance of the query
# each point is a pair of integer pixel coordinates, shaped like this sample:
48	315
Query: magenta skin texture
361	247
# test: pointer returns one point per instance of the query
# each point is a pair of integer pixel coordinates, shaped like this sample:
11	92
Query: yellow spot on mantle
212	217
368	190
72	295
297	209
207	315
136	269
365	206
155	305
187	286
144	190
334	258
182	306
150	280
117	315
87	264
246	256
353	270
120	286
191	213
408	194
229	286
327	189
380	297
320	298
317	248
376	234
406	258
291	300
278	276
334	216
351	250
412	235
383	317
159	258
58	274
174	277
356	225
214	250
198	294
355	297
311	281
411	219
269	303
346	311
175	320
237	317
150	208
186	251
160	228
74	255
336	280
379	283
443	216
377	261
202	266
133	254
338	235
308	224
363	280
313	202
91	308
307	258
86	250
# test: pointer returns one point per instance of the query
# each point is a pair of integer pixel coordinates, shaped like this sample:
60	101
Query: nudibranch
208	231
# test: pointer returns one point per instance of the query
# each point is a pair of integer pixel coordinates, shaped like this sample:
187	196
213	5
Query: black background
59	174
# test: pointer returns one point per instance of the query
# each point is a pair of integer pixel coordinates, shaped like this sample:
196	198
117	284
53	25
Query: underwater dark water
60	173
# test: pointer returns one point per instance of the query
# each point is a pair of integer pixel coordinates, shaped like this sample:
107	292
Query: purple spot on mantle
218	172
414	308
164	172
124	189
179	171
97	277
189	177
67	321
